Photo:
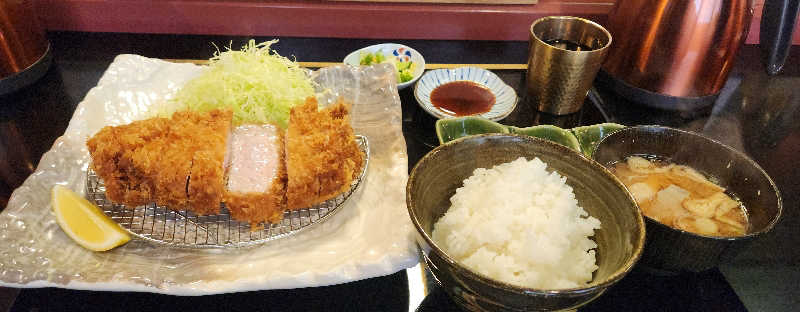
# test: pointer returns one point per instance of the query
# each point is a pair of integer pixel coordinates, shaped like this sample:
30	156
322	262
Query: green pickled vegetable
368	58
405	70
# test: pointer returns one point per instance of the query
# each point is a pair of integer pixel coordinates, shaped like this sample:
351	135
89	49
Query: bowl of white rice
509	222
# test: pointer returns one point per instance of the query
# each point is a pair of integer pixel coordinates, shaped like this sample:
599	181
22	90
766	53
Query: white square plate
370	236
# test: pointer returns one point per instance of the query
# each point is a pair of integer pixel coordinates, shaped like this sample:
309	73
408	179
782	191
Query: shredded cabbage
256	83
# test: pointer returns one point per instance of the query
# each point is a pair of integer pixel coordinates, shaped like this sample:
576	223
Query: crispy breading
206	183
121	158
172	170
154	160
322	155
259	207
179	162
269	204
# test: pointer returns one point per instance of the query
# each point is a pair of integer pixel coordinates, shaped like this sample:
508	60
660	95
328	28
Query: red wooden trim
309	18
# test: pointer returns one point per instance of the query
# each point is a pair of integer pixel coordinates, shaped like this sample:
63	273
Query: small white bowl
505	96
399	51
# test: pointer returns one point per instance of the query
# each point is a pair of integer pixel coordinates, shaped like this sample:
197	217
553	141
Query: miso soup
681	197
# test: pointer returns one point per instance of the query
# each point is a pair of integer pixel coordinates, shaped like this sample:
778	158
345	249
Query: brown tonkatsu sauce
462	98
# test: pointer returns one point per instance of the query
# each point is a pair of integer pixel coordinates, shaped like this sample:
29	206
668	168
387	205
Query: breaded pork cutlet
125	159
195	161
209	133
177	161
256	174
322	155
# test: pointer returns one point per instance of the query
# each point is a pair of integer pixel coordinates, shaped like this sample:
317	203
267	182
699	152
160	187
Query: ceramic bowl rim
438	126
612	279
439	115
734	151
400	85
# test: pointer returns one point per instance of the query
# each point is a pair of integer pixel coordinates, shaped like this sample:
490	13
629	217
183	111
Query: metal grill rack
185	229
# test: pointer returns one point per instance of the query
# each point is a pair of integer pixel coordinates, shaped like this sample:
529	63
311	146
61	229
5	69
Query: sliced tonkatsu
256	174
205	186
177	161
126	159
323	158
197	160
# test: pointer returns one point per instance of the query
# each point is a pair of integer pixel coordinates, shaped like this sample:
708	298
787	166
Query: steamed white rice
519	224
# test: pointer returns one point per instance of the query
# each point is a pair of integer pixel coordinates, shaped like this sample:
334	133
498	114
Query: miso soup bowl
436	177
672	251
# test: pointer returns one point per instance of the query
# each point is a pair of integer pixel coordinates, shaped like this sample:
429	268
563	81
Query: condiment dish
583	138
672	251
505	97
454	128
398	52
435	178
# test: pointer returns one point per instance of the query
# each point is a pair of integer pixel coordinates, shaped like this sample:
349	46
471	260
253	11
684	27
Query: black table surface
755	113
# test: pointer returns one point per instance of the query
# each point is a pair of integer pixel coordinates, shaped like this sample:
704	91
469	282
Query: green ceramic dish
583	139
449	129
589	136
551	133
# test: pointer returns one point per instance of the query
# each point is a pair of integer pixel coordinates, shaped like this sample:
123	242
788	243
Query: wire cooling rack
182	228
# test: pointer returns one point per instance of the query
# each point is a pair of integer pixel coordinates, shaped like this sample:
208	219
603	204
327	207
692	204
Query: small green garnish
368	58
405	70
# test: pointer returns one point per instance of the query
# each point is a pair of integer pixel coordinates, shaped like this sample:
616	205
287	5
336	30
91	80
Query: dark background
755	113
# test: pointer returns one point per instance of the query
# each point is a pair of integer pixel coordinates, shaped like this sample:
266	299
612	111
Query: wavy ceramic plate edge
584	138
505	97
342	249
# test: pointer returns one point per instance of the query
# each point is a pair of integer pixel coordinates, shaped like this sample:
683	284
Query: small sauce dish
465	91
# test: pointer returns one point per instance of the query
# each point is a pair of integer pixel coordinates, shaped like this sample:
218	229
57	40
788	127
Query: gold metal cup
558	78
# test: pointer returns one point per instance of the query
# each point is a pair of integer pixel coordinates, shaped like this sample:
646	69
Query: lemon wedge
84	222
